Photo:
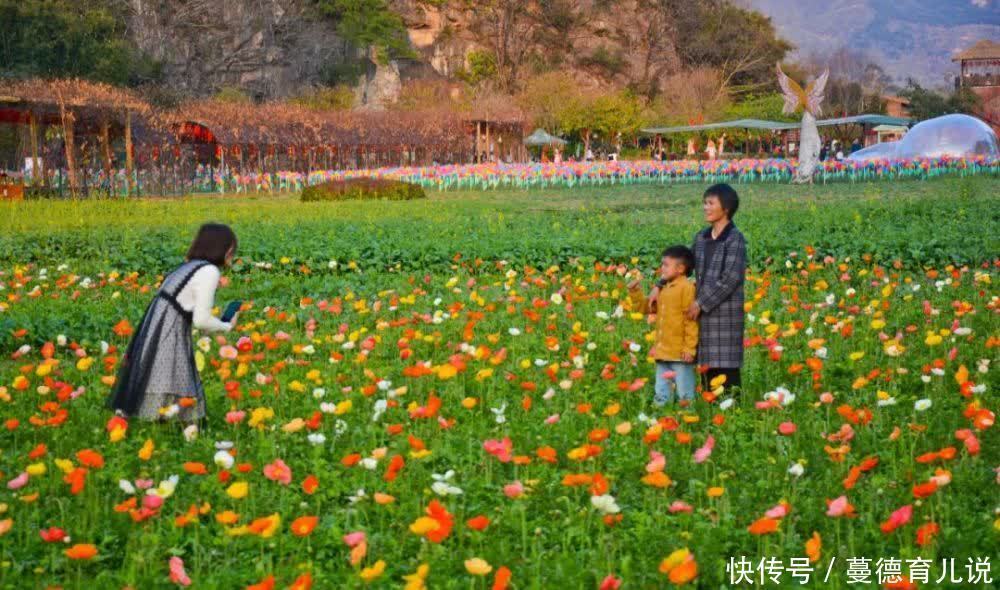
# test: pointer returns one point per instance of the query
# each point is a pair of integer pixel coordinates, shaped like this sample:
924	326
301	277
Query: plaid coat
720	296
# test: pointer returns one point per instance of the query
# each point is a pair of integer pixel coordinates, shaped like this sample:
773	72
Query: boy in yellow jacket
676	336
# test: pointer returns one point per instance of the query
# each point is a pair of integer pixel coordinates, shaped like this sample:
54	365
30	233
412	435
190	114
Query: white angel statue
809	101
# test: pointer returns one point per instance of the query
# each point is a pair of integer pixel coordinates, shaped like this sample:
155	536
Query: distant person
824	152
558	156
856	145
710	150
158	378
691	148
840	154
589	155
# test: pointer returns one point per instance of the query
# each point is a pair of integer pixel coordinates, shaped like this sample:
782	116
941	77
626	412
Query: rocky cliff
273	48
269	48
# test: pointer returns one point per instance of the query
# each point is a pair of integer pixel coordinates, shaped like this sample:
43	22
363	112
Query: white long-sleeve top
198	297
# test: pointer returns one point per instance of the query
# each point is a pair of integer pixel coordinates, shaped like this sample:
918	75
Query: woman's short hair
727	196
212	243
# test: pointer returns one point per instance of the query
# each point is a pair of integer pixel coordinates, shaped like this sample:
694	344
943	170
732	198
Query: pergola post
36	163
70	145
106	149
129	163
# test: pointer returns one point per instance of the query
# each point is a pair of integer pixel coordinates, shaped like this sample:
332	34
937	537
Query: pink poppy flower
610	583
552	419
787	428
501	449
702	454
679	506
144	484
18	482
839	507
514	490
656	462
355	538
235	416
228	352
278	471
177	573
779	511
898	519
152	501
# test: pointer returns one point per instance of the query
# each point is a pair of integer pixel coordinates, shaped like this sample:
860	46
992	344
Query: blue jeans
683	380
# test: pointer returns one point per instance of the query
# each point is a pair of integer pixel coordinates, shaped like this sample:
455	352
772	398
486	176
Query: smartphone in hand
231	310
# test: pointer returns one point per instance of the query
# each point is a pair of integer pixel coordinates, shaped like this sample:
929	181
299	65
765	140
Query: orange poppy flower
90	458
478	523
82	551
304	525
502	578
310	484
763	526
813	547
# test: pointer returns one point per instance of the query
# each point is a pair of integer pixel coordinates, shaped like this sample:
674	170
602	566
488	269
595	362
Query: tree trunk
69	141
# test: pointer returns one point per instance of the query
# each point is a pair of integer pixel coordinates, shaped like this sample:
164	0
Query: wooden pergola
78	107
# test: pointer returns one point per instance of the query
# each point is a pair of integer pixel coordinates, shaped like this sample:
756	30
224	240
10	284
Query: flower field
454	394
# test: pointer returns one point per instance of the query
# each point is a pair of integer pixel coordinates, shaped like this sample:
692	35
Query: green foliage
762	106
612	62
741	43
369	23
70	38
363	189
886	220
927	104
482	66
337	98
232	94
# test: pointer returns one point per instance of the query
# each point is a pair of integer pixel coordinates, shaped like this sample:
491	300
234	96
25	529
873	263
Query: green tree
70	38
927	104
369	23
742	44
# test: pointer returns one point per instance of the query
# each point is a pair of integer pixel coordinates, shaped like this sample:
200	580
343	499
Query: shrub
363	188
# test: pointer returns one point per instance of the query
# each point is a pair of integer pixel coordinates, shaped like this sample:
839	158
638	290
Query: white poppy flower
922	404
316	438
605	504
224	460
126	486
191	432
514	332
726	403
369	463
318	393
796	470
223	445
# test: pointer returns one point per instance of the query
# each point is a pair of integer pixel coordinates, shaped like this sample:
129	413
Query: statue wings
796	98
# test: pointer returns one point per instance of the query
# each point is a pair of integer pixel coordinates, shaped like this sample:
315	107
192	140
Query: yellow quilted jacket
675	334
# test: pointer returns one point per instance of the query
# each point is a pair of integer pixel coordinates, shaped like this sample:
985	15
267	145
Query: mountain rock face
273	48
269	48
910	38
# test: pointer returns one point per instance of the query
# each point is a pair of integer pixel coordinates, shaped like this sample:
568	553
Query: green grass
887	220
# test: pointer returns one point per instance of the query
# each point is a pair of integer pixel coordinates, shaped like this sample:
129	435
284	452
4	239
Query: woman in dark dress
158	377
720	263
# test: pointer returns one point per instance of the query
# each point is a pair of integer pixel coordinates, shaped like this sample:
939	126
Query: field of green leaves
454	393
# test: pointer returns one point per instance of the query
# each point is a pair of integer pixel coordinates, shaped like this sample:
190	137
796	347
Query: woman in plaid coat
720	263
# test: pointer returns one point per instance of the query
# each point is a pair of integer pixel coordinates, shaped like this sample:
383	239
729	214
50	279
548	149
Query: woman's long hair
213	242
